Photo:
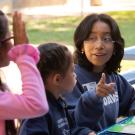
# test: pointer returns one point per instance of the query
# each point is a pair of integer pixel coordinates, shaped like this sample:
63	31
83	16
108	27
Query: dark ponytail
10	127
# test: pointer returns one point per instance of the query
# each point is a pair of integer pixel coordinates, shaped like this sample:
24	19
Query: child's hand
20	35
103	89
92	133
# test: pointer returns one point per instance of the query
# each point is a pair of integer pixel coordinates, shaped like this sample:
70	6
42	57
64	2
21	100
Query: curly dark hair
83	31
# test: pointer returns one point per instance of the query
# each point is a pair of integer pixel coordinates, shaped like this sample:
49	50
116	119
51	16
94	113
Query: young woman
105	94
33	101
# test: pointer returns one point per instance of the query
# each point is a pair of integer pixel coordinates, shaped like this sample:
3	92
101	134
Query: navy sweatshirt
94	112
56	122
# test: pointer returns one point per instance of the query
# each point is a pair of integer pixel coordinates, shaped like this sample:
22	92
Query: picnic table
129	53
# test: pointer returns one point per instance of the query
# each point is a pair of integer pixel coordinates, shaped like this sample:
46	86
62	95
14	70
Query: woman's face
4	48
99	47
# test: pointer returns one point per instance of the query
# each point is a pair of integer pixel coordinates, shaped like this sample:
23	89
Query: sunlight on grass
122	15
61	29
58	29
127	65
126	22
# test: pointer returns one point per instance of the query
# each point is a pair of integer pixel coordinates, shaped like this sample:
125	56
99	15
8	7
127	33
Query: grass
52	30
61	29
126	21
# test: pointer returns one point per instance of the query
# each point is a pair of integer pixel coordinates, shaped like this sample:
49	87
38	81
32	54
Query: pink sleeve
32	102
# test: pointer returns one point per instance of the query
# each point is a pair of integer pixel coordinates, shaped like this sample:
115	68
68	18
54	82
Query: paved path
78	9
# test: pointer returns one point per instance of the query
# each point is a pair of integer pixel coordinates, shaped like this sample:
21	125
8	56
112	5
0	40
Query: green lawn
61	29
126	22
58	29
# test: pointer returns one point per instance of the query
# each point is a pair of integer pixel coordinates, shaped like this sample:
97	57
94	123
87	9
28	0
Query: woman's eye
107	39
91	38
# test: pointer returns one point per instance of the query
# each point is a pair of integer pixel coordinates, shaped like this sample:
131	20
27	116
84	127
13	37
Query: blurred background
56	20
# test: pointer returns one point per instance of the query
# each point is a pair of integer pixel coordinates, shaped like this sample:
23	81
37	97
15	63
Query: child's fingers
17	18
24	33
102	79
102	93
92	133
108	87
105	89
111	87
20	35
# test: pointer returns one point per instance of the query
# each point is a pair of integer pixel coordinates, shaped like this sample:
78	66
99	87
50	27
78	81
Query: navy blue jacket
94	112
56	122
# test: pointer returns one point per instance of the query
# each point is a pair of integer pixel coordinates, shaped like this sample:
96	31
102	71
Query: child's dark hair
9	126
4	29
82	33
54	58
